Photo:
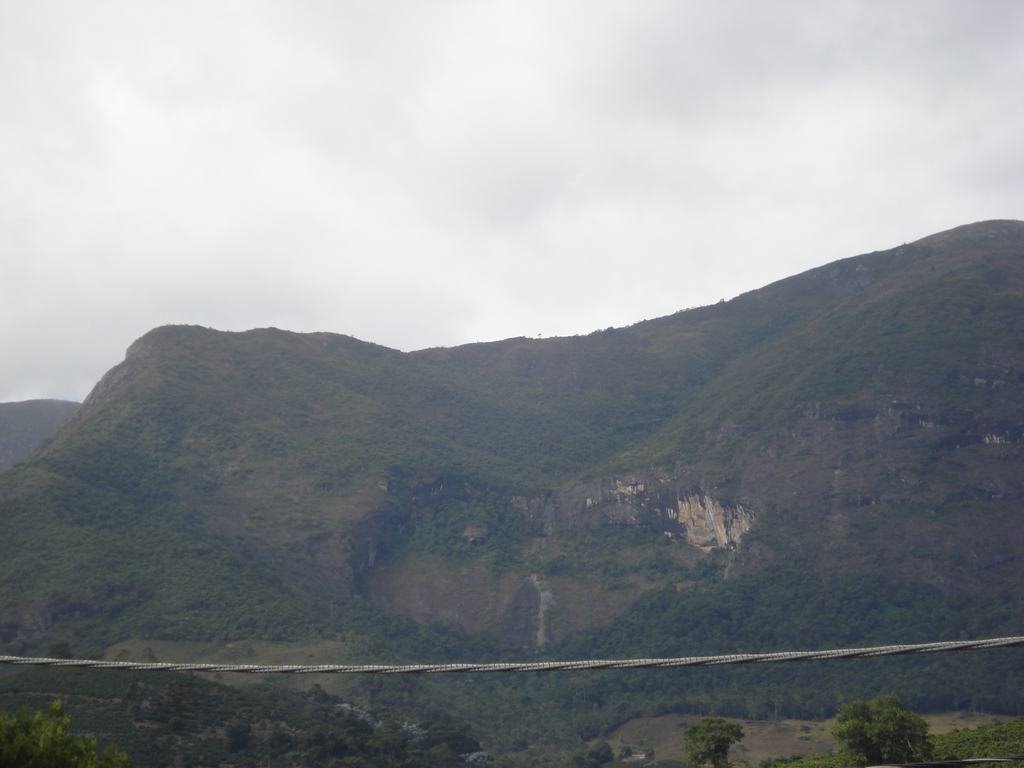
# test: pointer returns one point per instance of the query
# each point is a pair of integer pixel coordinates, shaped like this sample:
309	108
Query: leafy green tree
882	730
707	743
44	740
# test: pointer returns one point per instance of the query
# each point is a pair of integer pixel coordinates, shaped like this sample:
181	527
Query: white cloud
423	174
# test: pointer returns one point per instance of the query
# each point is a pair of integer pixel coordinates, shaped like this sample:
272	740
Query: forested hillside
832	459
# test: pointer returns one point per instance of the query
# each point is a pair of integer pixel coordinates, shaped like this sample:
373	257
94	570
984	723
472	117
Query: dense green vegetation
996	740
44	740
164	717
883	730
740	614
707	743
158	719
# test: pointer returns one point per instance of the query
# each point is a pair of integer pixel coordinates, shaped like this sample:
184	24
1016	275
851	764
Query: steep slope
851	435
26	425
900	406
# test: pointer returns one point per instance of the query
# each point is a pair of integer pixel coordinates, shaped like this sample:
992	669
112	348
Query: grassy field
245	652
242	652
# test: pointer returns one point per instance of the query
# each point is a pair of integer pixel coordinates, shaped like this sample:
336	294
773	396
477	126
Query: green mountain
832	459
26	425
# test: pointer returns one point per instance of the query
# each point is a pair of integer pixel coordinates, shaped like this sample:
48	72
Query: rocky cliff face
671	505
710	524
520	604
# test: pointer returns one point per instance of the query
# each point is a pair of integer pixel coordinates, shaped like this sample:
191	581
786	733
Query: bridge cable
528	666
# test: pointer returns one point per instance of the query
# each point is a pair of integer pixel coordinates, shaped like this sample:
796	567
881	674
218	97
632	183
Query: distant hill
26	425
835	458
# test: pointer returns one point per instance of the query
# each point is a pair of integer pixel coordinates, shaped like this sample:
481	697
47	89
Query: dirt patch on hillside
523	607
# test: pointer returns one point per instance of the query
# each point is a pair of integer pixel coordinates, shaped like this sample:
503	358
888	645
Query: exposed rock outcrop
661	502
710	524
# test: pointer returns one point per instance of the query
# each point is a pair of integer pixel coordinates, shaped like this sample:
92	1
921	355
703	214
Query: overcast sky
431	173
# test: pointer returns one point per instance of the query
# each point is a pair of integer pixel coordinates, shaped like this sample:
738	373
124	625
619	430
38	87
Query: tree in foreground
44	740
707	743
881	730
